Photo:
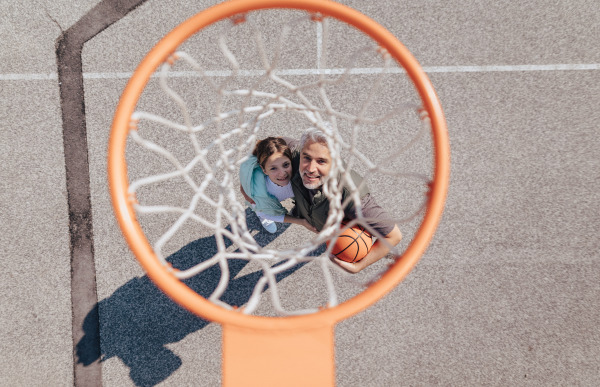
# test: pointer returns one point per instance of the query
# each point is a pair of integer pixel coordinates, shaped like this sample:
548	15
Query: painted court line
427	69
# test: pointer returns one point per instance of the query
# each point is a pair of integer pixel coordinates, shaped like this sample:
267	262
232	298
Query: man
311	164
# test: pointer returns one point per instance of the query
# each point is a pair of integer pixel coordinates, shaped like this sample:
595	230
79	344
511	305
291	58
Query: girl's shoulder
251	163
250	166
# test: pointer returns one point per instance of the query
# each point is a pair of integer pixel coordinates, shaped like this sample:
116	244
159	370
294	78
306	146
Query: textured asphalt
507	293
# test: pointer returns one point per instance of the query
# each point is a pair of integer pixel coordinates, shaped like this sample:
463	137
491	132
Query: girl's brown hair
268	146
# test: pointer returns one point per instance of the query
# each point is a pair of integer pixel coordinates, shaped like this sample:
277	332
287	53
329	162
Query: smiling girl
265	182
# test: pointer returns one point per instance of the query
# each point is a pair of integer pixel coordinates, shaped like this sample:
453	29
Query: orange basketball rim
278	351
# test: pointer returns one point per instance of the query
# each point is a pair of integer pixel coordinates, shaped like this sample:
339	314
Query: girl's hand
248	198
309	226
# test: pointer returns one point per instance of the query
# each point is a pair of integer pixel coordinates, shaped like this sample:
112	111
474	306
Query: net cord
228	209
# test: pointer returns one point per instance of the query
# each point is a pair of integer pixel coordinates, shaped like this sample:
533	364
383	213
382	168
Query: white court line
429	69
514	68
28	77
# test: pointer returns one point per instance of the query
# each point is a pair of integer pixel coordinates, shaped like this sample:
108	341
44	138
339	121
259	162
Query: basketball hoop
257	349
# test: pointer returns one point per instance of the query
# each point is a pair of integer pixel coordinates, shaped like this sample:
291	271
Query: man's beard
314	185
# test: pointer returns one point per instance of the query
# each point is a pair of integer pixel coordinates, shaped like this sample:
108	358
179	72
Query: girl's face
279	168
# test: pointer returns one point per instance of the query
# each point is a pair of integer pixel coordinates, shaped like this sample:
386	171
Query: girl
265	182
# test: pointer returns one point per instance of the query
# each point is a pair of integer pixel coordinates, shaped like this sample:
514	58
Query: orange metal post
261	357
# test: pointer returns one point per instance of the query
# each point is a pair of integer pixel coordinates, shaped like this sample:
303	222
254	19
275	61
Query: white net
242	80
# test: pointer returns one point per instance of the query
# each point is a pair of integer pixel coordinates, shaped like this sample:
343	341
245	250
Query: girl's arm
248	198
287	219
300	221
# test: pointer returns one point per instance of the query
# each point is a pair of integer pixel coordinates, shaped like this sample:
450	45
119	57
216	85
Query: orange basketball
353	244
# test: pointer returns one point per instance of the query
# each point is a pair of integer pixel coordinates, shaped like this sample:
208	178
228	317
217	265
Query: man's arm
378	251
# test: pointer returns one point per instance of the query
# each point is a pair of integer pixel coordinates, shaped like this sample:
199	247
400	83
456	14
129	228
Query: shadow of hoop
138	321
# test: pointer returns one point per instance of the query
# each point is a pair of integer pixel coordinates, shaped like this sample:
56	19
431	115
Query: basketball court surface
506	294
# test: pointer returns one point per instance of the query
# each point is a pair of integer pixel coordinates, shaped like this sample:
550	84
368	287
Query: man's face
315	163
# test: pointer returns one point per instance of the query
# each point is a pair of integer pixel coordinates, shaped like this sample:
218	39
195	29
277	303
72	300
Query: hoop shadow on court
138	320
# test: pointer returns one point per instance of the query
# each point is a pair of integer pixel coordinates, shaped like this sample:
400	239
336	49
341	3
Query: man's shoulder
296	181
292	143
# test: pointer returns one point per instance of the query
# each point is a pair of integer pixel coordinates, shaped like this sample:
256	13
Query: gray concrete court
506	295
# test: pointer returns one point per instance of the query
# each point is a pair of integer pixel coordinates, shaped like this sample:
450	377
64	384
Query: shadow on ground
137	321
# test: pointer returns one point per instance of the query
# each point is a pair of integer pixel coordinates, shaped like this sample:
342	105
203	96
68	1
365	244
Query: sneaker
269	225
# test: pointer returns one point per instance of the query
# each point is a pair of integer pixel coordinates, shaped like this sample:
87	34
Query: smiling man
311	164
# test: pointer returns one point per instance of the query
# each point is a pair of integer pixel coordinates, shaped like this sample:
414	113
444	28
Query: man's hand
350	267
378	251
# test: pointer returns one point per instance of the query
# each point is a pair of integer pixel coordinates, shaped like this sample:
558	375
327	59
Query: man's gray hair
312	135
